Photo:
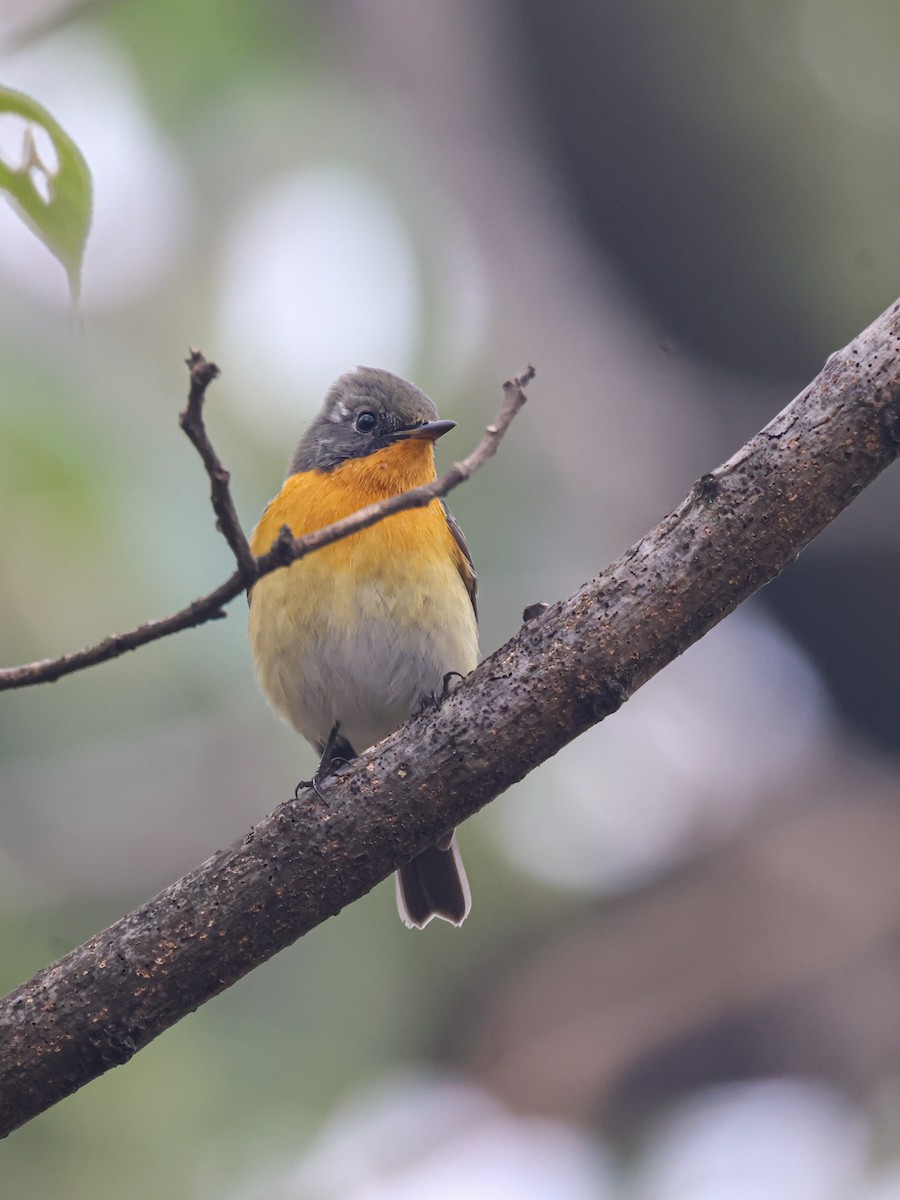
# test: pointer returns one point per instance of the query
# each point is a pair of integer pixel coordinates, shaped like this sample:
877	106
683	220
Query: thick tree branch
565	670
284	550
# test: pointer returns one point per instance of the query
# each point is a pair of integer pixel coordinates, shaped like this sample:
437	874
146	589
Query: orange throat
314	499
398	467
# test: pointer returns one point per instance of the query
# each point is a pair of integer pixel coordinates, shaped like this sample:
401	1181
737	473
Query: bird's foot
328	764
431	700
446	689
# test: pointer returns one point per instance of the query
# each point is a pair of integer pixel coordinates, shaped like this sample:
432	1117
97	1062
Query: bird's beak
429	432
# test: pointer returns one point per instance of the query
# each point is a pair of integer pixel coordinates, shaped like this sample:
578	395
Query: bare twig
283	551
565	670
191	421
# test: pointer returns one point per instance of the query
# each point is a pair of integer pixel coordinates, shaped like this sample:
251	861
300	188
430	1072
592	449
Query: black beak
430	431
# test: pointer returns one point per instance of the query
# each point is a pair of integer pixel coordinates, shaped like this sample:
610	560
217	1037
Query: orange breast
314	499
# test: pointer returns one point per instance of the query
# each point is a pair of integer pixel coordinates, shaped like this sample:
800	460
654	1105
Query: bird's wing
466	566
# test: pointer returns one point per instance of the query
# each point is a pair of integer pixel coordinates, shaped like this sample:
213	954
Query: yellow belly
358	632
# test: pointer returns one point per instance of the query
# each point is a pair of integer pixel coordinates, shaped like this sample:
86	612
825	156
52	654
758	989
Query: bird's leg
327	763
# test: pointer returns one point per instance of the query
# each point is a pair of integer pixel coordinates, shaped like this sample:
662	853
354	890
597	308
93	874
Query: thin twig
283	551
191	420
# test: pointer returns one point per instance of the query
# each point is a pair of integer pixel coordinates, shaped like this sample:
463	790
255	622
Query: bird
349	641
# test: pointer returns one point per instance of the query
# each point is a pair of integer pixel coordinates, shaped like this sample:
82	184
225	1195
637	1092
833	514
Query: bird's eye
366	422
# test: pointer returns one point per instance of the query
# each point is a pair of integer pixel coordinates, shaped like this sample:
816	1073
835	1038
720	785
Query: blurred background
681	976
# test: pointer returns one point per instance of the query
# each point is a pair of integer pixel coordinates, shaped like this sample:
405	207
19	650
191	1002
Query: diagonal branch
284	550
566	669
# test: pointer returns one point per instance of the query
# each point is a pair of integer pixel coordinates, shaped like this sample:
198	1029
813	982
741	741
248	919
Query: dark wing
469	577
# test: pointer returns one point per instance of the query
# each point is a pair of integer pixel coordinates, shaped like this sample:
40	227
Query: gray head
365	410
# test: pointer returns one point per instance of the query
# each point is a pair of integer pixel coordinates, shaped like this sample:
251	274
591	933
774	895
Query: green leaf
53	198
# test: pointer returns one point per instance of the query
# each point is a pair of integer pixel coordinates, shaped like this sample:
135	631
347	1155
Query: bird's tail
434	884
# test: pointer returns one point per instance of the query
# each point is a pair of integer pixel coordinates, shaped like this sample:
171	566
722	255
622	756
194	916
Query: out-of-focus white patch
683	764
776	1139
19	18
414	1139
850	51
318	273
142	206
463	303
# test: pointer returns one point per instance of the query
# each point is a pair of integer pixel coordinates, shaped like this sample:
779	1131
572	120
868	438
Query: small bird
348	641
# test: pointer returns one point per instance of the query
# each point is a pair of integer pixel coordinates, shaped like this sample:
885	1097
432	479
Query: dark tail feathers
434	884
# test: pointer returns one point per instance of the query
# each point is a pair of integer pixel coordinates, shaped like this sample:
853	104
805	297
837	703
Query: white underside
363	657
